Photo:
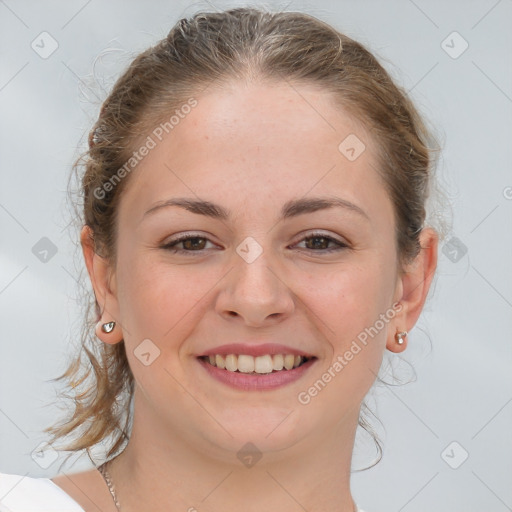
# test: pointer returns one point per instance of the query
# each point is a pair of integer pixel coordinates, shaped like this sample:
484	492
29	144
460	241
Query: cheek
351	296
156	298
163	301
353	305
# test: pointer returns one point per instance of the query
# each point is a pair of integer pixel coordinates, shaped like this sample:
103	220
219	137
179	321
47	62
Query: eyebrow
292	208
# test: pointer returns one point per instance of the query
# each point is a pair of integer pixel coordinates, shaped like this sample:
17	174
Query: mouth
266	372
259	365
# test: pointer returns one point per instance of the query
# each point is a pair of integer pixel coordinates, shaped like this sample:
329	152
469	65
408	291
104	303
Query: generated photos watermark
342	360
150	143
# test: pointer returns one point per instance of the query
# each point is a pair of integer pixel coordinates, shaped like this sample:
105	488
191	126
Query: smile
259	373
244	363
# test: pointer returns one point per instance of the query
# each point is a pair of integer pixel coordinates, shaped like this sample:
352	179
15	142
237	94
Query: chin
268	429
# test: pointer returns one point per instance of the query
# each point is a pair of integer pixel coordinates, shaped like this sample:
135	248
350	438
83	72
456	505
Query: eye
190	244
196	244
321	242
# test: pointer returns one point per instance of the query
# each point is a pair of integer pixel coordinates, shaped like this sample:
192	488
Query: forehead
242	144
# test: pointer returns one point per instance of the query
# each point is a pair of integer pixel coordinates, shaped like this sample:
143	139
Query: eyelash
171	245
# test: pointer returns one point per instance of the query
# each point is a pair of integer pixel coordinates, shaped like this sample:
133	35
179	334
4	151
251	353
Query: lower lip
252	382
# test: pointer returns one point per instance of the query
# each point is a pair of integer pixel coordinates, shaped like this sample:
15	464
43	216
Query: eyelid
340	244
185	236
319	234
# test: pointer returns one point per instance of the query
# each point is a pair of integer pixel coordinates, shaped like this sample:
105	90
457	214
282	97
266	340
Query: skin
269	144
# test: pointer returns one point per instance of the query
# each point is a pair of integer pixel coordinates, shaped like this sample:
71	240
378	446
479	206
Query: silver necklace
103	470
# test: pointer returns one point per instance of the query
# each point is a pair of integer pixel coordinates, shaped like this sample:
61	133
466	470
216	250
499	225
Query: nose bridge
257	276
255	290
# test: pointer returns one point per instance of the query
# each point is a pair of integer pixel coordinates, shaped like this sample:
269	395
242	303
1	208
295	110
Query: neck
160	472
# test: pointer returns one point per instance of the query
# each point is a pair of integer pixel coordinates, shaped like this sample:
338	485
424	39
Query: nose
255	293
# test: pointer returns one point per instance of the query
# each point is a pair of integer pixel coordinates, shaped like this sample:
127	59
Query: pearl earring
108	327
399	337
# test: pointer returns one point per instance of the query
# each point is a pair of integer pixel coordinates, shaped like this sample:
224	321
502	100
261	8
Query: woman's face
255	277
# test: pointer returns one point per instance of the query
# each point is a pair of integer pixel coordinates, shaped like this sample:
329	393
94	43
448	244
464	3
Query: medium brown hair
209	48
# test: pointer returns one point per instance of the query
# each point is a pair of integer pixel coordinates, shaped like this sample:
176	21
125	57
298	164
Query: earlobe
99	269
398	343
108	332
414	285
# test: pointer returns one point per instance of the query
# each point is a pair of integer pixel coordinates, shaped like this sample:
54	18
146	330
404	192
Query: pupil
315	244
191	242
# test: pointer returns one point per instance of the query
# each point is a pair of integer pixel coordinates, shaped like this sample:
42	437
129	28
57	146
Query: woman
254	231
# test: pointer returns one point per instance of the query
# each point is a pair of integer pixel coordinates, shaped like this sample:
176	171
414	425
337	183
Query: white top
20	493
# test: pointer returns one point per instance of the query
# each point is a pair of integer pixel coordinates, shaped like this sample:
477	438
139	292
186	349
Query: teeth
263	364
231	363
219	362
245	363
278	362
260	364
289	360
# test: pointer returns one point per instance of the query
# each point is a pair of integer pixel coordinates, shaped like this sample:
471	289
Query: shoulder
19	493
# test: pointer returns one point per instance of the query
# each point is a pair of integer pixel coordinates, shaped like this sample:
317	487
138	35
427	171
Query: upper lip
254	350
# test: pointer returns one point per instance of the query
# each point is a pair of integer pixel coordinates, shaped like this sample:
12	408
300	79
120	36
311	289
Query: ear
413	286
103	282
